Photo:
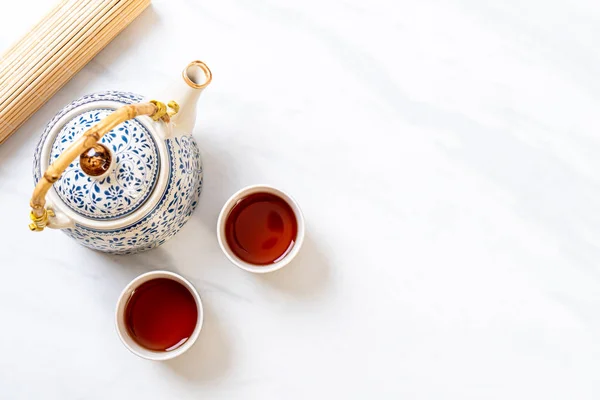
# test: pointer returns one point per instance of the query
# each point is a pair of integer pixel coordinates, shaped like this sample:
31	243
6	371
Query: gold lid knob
96	160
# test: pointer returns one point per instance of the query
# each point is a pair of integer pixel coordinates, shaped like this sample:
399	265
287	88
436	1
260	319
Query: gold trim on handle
161	110
173	108
39	214
39	223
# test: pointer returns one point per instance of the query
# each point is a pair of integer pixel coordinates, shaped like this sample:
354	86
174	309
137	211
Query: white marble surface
445	154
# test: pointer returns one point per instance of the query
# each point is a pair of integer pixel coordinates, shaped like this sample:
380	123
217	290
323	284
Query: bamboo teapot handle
39	213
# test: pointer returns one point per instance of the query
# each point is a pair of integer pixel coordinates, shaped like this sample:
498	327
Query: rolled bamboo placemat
55	49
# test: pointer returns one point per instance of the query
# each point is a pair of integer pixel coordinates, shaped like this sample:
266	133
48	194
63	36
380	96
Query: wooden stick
59	79
36	67
37	40
72	33
39	27
25	86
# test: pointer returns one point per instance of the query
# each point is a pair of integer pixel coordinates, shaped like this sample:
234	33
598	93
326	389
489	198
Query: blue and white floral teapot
118	173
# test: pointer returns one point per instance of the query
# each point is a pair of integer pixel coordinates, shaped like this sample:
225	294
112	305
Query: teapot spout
185	94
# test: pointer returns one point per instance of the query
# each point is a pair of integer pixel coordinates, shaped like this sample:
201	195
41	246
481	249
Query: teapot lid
135	164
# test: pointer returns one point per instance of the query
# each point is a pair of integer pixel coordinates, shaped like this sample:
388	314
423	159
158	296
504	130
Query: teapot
120	173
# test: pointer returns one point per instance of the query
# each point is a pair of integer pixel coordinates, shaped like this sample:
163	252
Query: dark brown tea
161	314
261	229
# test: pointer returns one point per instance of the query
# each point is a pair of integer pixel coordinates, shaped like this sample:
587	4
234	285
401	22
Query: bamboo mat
55	49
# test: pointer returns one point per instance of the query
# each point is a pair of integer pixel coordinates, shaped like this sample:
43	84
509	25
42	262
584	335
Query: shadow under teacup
260	228
159	315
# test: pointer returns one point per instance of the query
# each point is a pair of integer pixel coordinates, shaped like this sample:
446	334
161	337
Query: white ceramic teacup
225	211
123	332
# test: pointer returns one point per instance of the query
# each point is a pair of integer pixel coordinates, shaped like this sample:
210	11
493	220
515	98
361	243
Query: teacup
276	213
153	310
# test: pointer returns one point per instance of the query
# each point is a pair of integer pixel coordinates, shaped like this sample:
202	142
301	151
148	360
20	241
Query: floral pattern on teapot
127	187
174	208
